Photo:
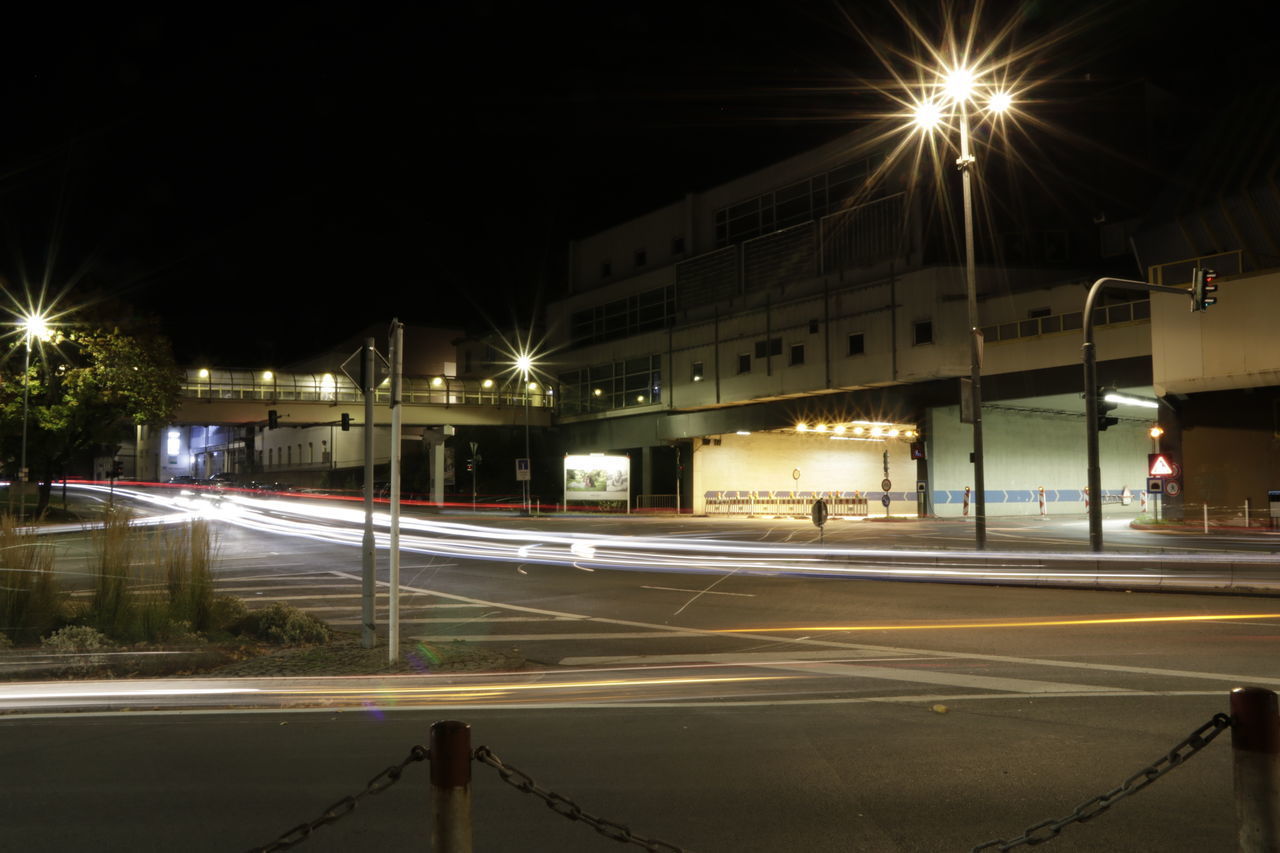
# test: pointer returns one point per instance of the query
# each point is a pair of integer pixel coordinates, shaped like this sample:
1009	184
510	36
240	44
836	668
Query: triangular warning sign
1160	466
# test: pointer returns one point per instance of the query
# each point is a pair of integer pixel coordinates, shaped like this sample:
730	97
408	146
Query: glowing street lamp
32	326
961	90
524	365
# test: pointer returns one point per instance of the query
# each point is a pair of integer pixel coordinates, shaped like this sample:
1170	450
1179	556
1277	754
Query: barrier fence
768	502
1254	721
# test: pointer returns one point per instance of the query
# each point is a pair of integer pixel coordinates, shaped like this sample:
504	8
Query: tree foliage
87	386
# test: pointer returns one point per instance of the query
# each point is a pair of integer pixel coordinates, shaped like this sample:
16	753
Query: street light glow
524	363
1000	102
959	84
36	326
927	115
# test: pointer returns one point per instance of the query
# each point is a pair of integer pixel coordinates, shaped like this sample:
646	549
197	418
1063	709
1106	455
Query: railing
771	502
212	384
1124	312
656	503
1179	272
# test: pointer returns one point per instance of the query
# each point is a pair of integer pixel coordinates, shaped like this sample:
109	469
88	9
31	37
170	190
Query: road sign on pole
522	470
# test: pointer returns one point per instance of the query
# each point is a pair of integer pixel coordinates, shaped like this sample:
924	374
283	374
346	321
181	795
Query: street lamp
33	326
524	366
959	92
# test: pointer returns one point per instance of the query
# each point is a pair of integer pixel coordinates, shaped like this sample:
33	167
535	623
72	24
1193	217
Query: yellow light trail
1119	620
407	690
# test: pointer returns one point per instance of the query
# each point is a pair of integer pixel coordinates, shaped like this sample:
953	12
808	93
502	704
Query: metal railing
205	383
1071	321
784	502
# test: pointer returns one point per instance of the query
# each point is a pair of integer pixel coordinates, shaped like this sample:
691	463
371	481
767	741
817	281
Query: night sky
270	178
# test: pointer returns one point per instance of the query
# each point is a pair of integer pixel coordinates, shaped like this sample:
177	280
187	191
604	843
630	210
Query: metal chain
1088	810
346	805
566	807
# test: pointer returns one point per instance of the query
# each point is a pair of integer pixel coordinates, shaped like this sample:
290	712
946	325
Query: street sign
353	368
1159	465
884	501
819	512
1155	484
1172	489
522	470
795	473
886	484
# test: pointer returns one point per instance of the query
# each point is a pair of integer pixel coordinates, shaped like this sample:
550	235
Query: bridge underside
315	413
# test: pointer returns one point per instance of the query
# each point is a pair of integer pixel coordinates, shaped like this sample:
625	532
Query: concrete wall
1026	450
765	462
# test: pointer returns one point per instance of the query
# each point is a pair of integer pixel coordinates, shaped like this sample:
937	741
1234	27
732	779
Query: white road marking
764	658
705	591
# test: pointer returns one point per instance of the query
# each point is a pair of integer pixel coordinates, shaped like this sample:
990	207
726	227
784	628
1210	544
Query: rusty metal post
1255	745
450	787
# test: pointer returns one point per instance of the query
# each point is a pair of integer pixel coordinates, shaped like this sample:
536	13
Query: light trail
1118	620
343	525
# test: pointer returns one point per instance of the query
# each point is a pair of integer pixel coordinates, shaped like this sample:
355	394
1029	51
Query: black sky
270	178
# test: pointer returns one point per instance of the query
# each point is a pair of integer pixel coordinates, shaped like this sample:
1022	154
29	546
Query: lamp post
959	91
524	365
33	325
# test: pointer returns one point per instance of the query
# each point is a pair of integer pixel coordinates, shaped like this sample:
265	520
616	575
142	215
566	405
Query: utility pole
368	639
397	372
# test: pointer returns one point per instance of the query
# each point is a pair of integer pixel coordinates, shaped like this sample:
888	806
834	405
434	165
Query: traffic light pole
1090	358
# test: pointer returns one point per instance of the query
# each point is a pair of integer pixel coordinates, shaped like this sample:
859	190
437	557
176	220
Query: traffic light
1103	407
346	422
1202	286
471	465
273	419
117	470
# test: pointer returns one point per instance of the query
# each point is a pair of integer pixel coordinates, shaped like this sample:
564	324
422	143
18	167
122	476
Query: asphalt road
717	710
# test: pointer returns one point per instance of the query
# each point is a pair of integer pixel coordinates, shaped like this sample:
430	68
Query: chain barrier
565	807
1048	830
346	805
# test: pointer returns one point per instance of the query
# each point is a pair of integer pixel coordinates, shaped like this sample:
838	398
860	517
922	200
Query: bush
30	604
76	638
226	613
284	625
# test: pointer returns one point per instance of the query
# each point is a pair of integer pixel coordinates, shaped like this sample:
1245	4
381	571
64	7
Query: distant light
840	428
1000	102
437	381
639	398
859	430
533	386
697	377
1126	400
204	373
820	428
1155	432
743	432
524	363
488	383
876	431
267	376
597	392
802	427
893	433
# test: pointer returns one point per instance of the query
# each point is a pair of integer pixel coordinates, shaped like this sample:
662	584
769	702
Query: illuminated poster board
597	478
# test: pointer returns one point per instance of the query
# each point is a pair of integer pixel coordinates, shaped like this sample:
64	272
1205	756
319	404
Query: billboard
597	477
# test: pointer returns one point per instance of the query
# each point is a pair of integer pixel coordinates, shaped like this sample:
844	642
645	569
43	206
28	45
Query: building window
642	257
857	344
744	362
1036	313
813	327
677	245
923	332
797	354
773	346
696	373
606	269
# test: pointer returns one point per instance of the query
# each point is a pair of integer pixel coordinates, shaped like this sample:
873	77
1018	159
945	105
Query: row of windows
803	201
641	257
617	385
642	312
773	346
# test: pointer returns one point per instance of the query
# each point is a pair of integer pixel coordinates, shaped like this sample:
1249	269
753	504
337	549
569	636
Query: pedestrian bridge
210	396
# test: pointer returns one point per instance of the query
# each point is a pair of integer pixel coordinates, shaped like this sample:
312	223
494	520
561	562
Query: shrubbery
283	625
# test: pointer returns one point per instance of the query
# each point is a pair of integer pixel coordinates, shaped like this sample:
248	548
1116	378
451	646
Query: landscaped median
152	612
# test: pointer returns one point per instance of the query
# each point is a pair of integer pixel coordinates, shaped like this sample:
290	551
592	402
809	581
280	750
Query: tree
87	386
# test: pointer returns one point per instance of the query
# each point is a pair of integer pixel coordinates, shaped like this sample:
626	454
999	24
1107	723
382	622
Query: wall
765	461
1026	450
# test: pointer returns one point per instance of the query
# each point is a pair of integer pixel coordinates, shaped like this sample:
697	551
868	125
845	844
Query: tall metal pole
975	335
528	481
393	603
368	639
26	397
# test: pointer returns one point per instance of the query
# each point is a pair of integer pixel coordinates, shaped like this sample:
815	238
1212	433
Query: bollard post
1206	518
1255	749
450	787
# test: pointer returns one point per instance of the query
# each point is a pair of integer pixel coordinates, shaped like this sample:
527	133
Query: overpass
245	397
